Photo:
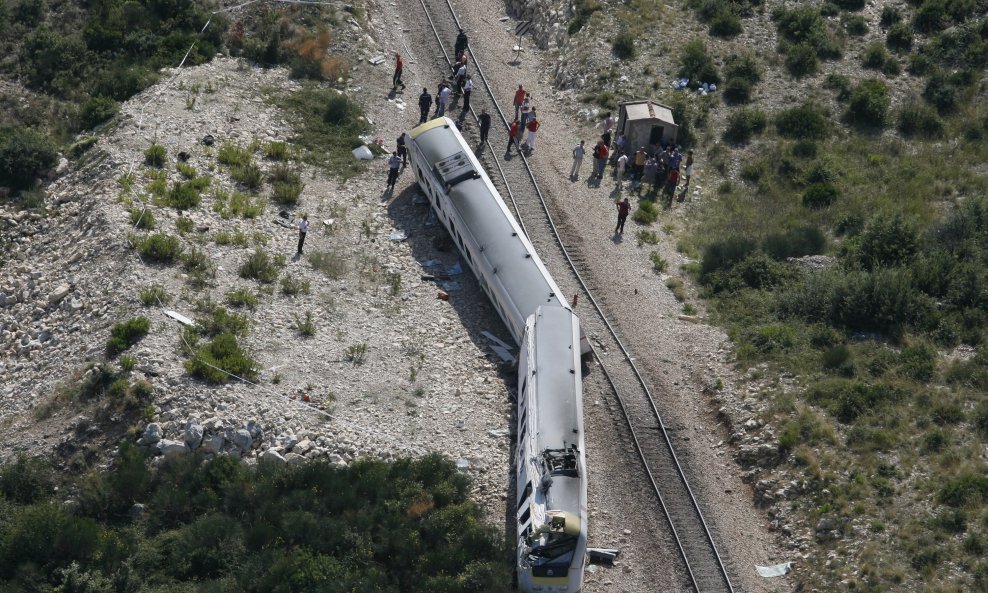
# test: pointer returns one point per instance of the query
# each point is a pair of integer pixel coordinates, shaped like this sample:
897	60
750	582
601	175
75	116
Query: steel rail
611	330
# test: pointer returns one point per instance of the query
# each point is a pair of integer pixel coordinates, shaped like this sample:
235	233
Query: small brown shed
645	123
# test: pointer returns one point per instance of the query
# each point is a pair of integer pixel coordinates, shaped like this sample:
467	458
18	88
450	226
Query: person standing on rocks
461	77
461	43
512	136
425	103
623	208
605	129
622	164
442	100
303	228
394	167
519	99
533	128
485	125
600	153
467	89
689	169
526	110
402	150
578	152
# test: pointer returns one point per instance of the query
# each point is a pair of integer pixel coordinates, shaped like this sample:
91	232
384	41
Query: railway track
706	569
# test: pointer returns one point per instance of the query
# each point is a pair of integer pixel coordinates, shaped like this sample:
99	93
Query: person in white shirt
622	163
461	76
578	152
303	228
442	101
394	167
467	89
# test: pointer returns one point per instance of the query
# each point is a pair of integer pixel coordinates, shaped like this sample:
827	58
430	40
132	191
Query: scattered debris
398	235
503	353
376	60
179	318
442	295
363	153
776	570
603	555
208	140
495	339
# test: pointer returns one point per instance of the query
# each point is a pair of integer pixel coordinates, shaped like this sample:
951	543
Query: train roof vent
455	168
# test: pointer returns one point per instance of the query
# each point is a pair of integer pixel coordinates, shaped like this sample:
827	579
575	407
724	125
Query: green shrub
216	360
24	155
918	361
847	400
277	151
584	10
126	334
183	196
890	16
725	24
241	297
965	489
154	294
850	4
931	16
804	122
160	247
980	419
743	66
942	92
659	264
755	271
95	111
646	213
305	325
874	56
142	218
217	320
801	24
25	481
339	109
233	155
199	266
155	156
801	60
887	240
184	224
737	91
186	170
624	45
839	83
260	266
868	104
804	149
724	254
292	286
248	174
855	25
287	194
899	37
743	124
797	242
696	64
917	120
820	195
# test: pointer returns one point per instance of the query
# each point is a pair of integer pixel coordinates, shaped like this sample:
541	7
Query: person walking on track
467	89
461	43
578	152
485	125
623	208
512	136
425	104
402	150
519	99
533	127
442	100
399	68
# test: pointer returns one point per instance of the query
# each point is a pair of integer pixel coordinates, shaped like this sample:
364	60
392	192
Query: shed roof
648	110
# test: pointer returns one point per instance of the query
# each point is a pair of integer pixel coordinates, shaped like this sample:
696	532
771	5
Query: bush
931	16
126	334
160	247
980	419
25	481
260	266
647	212
277	151
802	60
743	124
965	489
233	155
725	24
868	104
797	242
696	64
142	218
847	400
724	254
248	174
850	4
153	295
584	10
804	149
899	37
339	109
292	286
820	195
802	123
96	111
330	263
199	266
624	45
184	224
24	155
855	25
155	156
875	56
737	91
887	240
183	196
241	297
890	16
919	121
941	91
216	360
287	194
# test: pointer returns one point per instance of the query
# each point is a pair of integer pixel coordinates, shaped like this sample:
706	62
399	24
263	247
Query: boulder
170	449
255	430
242	439
58	294
294	459
193	435
272	457
212	444
153	433
763	455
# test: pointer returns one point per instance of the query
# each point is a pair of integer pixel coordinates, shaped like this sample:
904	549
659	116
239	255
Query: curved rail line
704	564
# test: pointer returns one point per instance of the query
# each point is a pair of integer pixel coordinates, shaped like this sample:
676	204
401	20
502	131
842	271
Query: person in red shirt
399	68
671	182
512	135
623	208
519	99
600	154
533	127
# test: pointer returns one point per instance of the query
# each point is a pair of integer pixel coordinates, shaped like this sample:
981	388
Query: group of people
525	120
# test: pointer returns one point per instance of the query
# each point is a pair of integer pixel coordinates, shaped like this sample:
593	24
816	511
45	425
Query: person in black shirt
425	103
485	125
461	43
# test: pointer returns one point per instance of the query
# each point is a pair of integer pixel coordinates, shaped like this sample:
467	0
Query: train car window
528	490
524	386
524	516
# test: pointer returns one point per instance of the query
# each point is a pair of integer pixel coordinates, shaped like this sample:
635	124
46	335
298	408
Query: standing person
675	158
461	43
399	68
640	157
533	127
622	164
485	125
578	152
605	129
461	76
467	89
512	133
425	103
303	228
600	159
689	168
526	110
402	150
623	208
672	180
442	100
394	163
648	175
664	163
519	99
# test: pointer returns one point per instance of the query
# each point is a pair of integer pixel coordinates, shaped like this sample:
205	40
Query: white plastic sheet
777	570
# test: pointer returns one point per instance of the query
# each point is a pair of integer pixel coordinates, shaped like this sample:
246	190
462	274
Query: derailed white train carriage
550	459
550	462
500	255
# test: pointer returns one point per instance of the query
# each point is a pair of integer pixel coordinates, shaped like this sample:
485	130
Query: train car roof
487	219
